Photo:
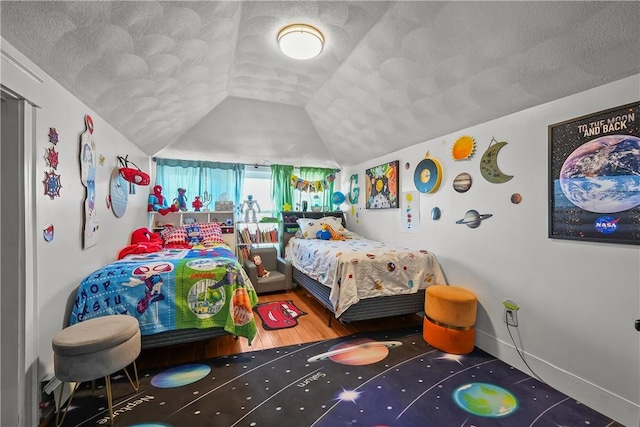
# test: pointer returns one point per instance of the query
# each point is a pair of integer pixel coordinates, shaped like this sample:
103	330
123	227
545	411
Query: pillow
174	235
210	232
334	222
309	227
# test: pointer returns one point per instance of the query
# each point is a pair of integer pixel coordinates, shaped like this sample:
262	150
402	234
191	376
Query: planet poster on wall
410	212
594	177
382	184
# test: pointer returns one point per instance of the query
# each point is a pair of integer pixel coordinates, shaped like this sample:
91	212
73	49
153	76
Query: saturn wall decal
473	218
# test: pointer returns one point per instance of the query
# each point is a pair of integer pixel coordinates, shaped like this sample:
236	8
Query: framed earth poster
382	184
594	177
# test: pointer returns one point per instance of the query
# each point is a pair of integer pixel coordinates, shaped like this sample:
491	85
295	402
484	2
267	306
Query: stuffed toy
181	201
197	204
334	234
158	203
323	235
142	241
262	272
193	235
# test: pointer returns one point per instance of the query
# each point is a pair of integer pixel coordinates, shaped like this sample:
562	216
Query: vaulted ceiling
206	80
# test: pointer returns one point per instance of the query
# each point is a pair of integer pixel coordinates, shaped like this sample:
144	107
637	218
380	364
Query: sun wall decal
463	148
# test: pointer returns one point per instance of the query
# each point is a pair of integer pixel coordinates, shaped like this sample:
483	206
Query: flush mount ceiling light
300	41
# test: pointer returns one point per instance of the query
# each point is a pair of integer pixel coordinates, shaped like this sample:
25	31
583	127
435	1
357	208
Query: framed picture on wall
382	184
594	177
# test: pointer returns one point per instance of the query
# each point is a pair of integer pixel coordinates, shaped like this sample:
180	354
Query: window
257	183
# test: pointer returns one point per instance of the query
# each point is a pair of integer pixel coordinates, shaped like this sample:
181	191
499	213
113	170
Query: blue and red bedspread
172	289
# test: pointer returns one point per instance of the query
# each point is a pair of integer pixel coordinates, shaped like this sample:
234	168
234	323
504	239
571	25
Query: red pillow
211	232
174	235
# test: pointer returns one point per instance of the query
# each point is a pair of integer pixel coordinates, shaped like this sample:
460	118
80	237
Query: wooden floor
311	327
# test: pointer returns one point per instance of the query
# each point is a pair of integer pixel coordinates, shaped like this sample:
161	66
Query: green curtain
281	191
317	174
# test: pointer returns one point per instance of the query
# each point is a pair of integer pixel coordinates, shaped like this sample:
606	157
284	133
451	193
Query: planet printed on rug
485	400
357	352
180	376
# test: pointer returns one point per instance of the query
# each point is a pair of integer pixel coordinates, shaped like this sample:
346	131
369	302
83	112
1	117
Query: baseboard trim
613	406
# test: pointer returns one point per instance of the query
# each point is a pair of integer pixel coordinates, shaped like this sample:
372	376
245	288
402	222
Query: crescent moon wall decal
489	164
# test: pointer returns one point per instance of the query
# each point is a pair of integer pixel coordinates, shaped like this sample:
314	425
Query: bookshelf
255	234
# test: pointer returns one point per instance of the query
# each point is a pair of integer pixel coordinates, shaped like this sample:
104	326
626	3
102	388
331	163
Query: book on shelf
243	254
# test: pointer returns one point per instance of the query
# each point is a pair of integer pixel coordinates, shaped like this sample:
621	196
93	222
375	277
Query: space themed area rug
278	314
388	379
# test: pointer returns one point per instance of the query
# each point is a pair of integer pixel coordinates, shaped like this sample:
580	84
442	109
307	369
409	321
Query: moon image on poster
603	175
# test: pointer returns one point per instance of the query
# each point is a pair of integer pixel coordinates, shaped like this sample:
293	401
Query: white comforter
359	268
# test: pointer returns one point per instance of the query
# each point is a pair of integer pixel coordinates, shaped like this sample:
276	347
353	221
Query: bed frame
370	308
180	336
162	339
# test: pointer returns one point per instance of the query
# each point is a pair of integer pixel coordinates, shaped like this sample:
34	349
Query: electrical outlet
510	312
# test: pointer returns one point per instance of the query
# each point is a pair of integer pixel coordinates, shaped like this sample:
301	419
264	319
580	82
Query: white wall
578	299
62	263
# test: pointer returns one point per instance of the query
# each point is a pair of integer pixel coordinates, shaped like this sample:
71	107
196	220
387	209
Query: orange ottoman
450	316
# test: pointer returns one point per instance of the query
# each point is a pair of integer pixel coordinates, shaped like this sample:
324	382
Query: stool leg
66	406
135	370
107	381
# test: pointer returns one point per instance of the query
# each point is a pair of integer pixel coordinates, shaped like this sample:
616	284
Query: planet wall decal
489	164
462	182
472	218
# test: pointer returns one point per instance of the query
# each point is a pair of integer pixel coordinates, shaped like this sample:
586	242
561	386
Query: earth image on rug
392	379
278	314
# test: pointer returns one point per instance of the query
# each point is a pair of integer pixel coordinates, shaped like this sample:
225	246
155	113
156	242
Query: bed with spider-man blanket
177	295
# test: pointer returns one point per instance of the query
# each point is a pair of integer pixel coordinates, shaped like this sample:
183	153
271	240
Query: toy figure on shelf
197	204
181	201
250	209
262	272
158	203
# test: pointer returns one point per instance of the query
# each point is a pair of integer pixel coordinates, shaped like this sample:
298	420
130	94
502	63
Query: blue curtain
223	181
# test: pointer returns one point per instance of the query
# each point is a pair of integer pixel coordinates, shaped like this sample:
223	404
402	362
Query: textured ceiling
205	80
